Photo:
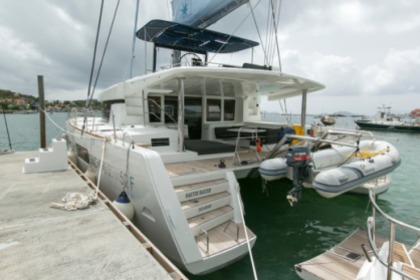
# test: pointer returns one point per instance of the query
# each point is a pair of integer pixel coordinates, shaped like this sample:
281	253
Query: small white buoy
124	204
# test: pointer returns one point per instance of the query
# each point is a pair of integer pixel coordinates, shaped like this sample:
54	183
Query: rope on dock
75	201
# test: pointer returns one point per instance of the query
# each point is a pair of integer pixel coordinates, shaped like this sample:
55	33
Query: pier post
303	111
181	101
43	141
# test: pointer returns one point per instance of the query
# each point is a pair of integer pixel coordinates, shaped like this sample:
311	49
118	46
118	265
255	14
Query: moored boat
177	140
384	120
339	162
375	159
368	255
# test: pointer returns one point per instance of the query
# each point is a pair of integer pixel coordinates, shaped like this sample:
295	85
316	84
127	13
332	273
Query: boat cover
203	13
176	36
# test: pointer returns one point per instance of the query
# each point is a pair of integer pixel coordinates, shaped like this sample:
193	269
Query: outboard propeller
298	158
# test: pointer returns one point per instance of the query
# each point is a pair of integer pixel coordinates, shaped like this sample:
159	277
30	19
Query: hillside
6	94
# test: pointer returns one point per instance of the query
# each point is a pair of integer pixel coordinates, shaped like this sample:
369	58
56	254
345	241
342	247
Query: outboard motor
298	158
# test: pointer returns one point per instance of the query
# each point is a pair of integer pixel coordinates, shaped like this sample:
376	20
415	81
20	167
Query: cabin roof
172	35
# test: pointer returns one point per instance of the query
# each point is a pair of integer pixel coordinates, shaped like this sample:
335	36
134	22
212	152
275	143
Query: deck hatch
353	256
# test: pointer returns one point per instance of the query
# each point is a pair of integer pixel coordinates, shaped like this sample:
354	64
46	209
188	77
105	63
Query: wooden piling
43	141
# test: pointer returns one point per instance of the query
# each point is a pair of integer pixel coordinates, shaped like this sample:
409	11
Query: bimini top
183	37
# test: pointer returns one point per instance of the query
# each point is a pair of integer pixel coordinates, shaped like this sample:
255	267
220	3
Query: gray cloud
358	49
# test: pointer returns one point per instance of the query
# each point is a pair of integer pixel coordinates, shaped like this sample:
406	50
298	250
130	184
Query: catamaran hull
158	212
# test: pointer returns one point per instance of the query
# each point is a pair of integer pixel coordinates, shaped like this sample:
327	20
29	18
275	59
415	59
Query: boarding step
206	204
201	189
209	220
222	238
49	159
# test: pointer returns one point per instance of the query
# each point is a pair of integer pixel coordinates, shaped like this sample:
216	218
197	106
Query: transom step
206	204
202	189
210	219
222	237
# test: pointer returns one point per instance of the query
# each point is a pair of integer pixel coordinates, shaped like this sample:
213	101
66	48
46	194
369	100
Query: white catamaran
177	140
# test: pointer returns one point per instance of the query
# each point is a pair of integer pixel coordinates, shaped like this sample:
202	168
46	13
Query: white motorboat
384	120
177	140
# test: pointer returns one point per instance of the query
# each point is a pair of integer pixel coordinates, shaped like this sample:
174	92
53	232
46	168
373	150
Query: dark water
286	235
24	130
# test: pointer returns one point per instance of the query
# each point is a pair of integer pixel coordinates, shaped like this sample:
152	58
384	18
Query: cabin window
154	109
157	142
82	153
213	88
228	90
171	109
106	108
229	110
214	110
193	114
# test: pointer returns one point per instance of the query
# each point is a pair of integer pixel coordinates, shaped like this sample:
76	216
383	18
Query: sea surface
285	235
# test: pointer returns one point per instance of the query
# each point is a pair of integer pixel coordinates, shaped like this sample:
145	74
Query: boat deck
220	238
344	260
247	158
40	242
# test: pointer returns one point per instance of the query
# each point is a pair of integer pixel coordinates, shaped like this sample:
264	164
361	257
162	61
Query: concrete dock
40	242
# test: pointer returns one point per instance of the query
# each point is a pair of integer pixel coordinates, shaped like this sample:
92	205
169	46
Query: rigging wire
93	61
95	48
275	33
103	53
268	37
258	31
239	25
90	95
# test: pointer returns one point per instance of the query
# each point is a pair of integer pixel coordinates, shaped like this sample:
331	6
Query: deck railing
371	226
90	116
246	134
342	137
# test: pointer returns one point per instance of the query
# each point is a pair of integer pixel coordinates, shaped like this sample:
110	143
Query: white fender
123	203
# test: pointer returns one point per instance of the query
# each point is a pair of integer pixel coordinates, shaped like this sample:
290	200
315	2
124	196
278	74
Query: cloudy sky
366	53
